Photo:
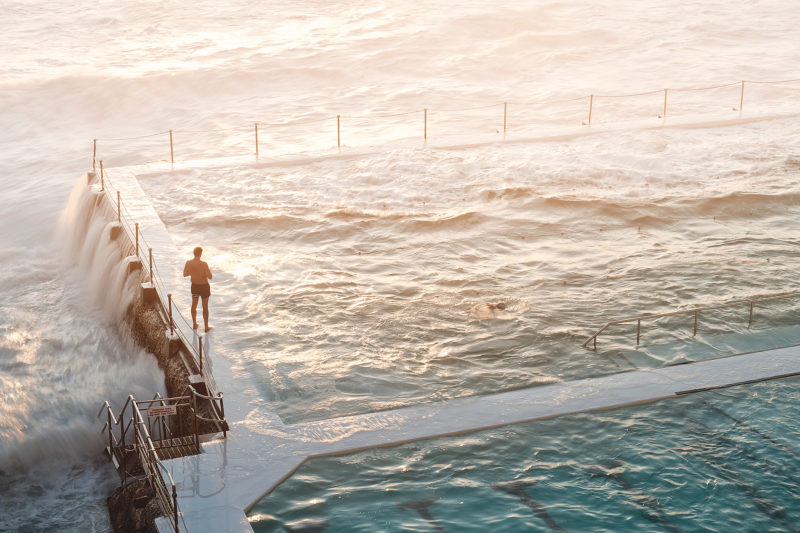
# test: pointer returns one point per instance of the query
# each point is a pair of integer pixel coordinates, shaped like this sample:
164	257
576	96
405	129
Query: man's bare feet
195	325
209	328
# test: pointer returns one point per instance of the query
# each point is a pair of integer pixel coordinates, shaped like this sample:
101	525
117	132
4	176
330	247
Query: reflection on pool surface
724	460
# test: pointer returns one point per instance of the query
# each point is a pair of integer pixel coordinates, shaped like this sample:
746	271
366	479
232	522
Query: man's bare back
200	274
198	270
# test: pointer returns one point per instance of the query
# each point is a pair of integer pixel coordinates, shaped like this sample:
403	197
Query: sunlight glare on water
345	285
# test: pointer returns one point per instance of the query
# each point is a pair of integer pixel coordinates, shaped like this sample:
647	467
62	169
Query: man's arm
186	269
208	271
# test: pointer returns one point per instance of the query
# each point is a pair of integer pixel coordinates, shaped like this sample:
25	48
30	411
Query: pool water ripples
713	461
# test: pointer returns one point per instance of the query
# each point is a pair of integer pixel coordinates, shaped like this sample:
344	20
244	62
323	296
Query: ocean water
354	280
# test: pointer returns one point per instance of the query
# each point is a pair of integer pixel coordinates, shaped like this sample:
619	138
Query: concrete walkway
217	487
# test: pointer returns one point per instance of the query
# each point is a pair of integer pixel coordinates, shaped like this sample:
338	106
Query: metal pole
425	130
94	154
638	330
256	127
119	211
591	102
751	315
175	505
741	98
664	115
110	434
150	252
595	343
171	152
200	351
338	132
695	324
169	299
102	177
222	413
137	239
505	116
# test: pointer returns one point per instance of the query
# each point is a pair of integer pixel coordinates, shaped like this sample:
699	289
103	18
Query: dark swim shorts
203	290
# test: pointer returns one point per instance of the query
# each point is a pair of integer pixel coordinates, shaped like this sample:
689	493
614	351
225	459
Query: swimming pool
723	460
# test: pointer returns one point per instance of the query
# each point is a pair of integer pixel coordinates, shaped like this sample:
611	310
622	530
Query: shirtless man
200	274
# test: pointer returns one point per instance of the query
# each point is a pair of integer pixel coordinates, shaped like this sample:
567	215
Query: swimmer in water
501	306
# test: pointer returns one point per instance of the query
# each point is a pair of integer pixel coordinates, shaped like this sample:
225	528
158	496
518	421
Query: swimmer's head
500	306
198	252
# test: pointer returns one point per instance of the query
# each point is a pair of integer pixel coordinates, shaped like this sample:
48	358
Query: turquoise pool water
725	460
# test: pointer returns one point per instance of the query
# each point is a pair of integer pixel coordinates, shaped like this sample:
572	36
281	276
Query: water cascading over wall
101	250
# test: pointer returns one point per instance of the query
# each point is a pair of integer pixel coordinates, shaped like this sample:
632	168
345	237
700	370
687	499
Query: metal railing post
664	115
150	253
256	128
741	98
695	324
137	239
200	352
110	434
425	124
175	505
102	177
338	131
196	423
638	330
591	103
171	151
505	117
171	327
222	414
94	155
119	209
595	343
750	323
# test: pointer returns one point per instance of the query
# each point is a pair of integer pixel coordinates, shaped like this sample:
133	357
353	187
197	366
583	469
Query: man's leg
194	310
205	311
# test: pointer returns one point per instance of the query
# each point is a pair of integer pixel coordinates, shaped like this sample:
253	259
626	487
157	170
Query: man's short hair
198	251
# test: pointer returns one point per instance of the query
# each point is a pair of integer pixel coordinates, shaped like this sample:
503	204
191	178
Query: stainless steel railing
696	311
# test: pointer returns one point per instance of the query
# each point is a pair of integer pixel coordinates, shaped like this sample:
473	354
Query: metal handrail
146	450
696	312
219	411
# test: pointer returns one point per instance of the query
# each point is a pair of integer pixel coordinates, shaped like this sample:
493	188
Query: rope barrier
134	138
660	91
690	89
424	127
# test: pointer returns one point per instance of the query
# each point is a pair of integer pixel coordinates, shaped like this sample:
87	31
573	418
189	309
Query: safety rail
217	405
658	107
158	477
150	273
696	311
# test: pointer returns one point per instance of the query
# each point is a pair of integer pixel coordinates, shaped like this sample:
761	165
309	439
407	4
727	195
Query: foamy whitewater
358	283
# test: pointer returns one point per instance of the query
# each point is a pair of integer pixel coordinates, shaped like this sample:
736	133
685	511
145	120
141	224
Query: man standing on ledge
200	274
